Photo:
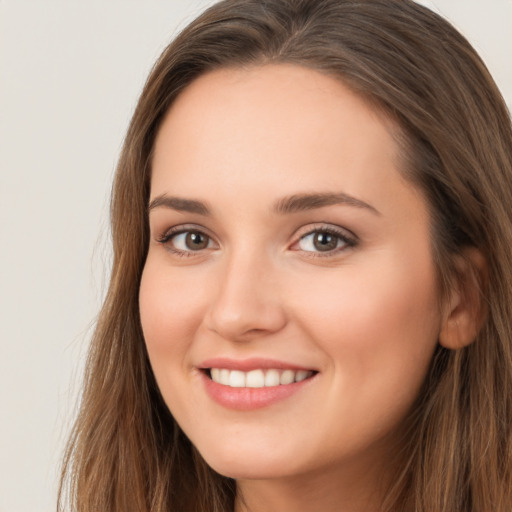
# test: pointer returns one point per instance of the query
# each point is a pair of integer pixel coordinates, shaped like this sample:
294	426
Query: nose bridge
246	302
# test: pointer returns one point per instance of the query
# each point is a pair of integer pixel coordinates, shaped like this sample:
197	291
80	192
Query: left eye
322	241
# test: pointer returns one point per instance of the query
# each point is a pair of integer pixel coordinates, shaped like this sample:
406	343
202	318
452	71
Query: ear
465	309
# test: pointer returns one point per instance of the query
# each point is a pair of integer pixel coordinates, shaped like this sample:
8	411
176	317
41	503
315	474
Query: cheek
171	310
379	325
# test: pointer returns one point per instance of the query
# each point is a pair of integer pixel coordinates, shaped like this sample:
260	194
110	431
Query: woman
310	302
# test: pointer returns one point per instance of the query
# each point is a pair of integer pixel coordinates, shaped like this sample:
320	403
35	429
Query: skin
365	316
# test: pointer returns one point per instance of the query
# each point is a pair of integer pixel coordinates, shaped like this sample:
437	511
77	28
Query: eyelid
169	233
347	236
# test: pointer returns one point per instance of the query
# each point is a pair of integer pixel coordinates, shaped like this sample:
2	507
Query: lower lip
249	399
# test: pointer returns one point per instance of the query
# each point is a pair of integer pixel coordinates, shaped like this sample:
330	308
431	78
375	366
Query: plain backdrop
70	74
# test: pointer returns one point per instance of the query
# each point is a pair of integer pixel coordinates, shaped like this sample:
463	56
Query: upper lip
246	365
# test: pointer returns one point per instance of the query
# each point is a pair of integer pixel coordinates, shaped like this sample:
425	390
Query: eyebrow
286	205
180	204
303	202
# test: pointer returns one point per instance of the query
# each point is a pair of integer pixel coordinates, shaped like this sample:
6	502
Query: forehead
274	129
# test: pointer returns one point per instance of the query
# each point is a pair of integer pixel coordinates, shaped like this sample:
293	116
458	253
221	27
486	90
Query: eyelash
168	235
349	241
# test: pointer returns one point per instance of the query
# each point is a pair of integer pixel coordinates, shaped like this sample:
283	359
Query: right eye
185	242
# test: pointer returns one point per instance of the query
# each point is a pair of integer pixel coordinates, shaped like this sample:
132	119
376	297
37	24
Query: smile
258	378
253	383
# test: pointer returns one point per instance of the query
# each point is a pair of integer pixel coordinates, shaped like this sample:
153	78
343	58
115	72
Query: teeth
215	375
302	375
272	378
257	378
287	377
237	379
224	376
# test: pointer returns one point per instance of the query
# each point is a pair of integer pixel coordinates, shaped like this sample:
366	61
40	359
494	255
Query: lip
248	399
246	365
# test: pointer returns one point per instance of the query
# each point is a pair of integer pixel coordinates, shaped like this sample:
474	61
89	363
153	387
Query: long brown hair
126	452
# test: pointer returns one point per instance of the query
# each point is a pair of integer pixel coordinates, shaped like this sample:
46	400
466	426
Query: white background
70	74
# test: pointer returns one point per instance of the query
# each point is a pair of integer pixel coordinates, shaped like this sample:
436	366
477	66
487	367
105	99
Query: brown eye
195	241
323	241
187	241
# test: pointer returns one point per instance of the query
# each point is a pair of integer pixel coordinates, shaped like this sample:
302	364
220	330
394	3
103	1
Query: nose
247	303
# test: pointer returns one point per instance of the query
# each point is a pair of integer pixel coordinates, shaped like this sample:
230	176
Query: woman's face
289	300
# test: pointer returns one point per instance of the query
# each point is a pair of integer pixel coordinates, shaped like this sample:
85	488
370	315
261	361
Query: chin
247	471
250	466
